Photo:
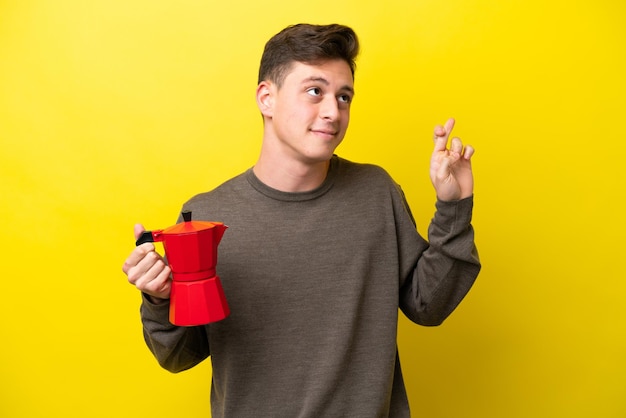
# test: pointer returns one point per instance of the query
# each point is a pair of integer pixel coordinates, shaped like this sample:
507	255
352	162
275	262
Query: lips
325	132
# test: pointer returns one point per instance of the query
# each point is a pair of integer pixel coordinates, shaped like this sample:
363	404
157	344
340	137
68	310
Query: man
319	255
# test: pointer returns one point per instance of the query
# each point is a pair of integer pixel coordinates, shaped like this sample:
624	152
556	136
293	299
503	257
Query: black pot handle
146	236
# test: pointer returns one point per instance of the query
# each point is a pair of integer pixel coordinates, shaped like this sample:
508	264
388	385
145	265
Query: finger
146	270
138	230
439	131
456	146
139	252
449	125
444	169
156	280
140	263
442	133
160	285
137	255
469	151
441	142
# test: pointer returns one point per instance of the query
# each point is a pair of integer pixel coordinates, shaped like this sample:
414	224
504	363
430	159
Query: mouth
325	133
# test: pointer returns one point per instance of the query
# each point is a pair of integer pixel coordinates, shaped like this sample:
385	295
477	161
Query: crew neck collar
276	194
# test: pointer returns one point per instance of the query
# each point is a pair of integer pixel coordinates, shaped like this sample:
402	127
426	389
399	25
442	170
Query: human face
310	111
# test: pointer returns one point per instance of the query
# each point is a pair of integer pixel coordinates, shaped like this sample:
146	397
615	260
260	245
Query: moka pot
197	296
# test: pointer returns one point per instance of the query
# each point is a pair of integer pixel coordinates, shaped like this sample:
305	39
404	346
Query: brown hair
308	44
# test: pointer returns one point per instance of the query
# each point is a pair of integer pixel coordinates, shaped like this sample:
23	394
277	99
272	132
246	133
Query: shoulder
371	183
370	175
207	204
347	167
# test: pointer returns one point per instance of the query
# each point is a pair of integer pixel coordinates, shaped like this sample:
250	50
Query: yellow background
114	112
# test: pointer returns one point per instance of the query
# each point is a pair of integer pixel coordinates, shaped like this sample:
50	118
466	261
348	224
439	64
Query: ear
265	98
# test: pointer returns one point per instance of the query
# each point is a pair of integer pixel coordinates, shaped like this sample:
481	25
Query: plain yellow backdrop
115	112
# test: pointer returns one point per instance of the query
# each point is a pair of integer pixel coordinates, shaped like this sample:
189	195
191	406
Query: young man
319	255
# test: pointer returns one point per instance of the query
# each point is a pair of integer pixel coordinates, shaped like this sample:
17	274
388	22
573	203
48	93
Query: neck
290	175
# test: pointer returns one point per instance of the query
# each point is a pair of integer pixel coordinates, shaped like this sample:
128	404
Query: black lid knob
186	215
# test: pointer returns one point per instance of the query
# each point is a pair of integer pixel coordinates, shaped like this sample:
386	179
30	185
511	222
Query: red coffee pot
197	297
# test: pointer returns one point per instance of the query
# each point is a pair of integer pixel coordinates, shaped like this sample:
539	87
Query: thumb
138	230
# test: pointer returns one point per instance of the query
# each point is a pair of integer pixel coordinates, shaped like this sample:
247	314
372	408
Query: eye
315	91
345	98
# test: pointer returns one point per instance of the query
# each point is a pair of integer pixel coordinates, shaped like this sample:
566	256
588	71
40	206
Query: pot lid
189	226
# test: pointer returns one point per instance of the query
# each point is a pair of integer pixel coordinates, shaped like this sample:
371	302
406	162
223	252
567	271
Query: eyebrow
325	82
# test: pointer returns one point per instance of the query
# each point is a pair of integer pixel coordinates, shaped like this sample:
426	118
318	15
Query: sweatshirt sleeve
175	348
443	272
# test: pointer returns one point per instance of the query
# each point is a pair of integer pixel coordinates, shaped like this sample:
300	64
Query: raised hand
451	168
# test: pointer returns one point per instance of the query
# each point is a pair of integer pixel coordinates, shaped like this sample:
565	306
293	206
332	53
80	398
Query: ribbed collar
296	196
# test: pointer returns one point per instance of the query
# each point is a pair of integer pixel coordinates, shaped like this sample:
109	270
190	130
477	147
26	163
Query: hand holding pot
195	291
147	271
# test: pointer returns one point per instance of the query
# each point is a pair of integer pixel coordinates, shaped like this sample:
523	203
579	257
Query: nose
329	108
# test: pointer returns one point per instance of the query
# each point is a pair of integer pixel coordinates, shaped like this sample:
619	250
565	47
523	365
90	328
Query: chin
313	159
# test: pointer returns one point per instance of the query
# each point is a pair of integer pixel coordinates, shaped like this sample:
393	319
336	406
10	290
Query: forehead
336	73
